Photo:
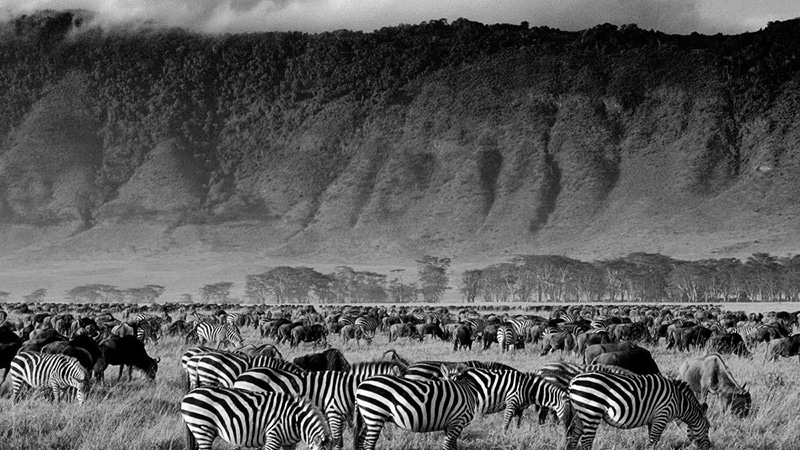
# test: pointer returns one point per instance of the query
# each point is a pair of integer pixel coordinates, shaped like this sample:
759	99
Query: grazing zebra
221	334
417	406
632	401
333	392
247	419
512	391
58	372
368	325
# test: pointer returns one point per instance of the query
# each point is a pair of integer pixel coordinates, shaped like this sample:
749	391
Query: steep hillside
460	139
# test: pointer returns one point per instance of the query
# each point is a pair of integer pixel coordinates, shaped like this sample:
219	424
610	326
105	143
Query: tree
471	284
217	292
4	296
36	296
433	277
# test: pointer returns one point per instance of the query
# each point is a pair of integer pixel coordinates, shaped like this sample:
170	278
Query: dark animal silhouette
637	360
330	359
125	351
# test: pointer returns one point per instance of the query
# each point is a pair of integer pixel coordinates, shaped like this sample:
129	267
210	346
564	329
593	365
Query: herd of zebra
250	396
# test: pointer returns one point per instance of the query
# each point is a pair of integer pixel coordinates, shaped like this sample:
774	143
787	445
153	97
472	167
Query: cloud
672	16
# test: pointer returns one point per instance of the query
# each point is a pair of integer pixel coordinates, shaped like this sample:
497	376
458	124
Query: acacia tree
4	296
36	296
433	277
216	292
471	284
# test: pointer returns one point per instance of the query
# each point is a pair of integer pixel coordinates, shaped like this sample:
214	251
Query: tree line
637	277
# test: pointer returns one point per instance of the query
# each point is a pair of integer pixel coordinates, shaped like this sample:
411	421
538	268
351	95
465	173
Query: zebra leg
453	433
372	432
656	428
335	421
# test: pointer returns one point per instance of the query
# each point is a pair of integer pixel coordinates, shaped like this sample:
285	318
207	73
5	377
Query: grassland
142	415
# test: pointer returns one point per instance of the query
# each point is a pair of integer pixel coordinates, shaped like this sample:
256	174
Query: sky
221	16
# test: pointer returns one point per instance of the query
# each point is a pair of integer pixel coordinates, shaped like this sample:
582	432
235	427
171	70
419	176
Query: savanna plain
138	414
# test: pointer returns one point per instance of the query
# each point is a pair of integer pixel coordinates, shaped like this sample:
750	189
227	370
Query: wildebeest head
152	368
739	402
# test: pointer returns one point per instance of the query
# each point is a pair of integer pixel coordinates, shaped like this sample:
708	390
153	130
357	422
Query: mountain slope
458	138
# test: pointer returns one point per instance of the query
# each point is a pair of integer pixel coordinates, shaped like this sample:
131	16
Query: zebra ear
444	370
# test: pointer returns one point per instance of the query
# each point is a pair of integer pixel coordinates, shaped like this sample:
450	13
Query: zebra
58	372
632	401
435	370
147	330
221	334
333	392
507	337
247	419
420	406
222	368
368	325
512	391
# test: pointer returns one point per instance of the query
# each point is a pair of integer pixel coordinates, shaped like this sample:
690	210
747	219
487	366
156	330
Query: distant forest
213	92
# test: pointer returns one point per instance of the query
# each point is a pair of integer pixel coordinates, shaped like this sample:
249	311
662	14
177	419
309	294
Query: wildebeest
686	337
709	374
563	341
786	347
637	360
463	338
586	339
315	334
595	350
64	348
348	332
432	329
728	343
125	351
330	359
399	330
7	353
489	336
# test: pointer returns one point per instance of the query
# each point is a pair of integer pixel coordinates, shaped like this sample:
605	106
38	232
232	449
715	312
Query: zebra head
693	414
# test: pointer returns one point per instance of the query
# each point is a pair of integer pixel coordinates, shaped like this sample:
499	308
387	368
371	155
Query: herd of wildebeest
610	341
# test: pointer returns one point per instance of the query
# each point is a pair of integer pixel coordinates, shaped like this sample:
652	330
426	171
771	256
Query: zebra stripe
416	406
39	370
368	325
221	334
632	401
246	419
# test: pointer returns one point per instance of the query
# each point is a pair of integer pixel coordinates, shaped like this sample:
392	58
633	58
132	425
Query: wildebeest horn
158	360
744	386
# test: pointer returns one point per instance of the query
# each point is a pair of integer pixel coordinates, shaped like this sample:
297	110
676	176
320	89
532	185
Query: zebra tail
191	442
358	425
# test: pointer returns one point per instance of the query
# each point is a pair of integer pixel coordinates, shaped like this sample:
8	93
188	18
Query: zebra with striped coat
222	369
333	392
58	372
247	419
632	401
419	406
221	334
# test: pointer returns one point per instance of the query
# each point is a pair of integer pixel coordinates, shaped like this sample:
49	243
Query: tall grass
139	414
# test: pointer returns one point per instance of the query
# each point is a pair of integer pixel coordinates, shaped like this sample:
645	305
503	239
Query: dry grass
141	415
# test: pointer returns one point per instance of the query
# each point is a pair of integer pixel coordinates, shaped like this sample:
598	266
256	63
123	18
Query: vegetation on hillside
234	100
